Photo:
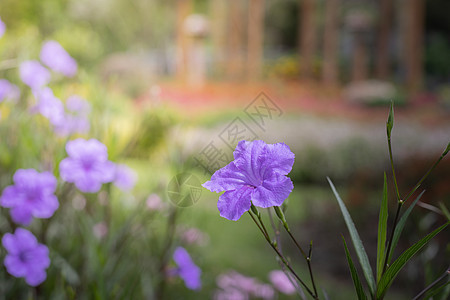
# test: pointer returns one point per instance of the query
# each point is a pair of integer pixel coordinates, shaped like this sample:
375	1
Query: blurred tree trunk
360	67
330	44
413	51
308	37
255	38
219	16
383	64
183	9
235	53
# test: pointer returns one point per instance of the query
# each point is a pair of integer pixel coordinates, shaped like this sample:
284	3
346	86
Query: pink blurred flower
194	236
281	282
100	230
125	178
33	74
154	202
2	28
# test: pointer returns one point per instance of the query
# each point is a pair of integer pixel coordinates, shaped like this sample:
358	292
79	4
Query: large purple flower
187	270
257	175
33	74
32	195
56	58
87	165
8	91
26	257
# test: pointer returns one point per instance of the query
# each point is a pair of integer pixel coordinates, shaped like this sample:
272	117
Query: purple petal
11	197
9	242
15	266
35	277
92	149
227	178
278	158
249	157
233	204
49	204
33	74
125	177
187	270
273	191
57	59
2	28
21	215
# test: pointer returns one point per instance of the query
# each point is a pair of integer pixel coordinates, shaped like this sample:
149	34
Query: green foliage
382	231
356	282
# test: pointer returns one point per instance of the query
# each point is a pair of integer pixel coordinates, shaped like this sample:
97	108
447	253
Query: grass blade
357	243
401	225
356	281
394	269
382	230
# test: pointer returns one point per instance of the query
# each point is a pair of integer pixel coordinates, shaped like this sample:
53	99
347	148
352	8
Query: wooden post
330	74
235	53
383	63
255	38
183	9
308	37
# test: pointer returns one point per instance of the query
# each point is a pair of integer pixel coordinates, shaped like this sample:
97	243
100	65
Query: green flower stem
393	169
399	206
283	259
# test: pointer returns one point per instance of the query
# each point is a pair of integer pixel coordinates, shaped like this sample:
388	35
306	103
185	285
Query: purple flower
125	178
56	58
49	106
75	119
32	195
257	175
281	282
8	91
87	165
26	257
2	28
187	270
33	74
76	104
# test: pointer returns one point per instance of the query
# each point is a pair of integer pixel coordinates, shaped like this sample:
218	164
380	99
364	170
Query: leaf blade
382	231
401	225
399	263
357	243
356	281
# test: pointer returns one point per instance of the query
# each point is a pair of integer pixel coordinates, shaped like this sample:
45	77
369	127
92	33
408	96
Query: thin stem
307	258
393	169
424	177
446	273
400	204
283	259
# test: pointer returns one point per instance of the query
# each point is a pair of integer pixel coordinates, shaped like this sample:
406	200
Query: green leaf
394	269
444	210
357	243
390	121
401	225
382	229
446	150
356	281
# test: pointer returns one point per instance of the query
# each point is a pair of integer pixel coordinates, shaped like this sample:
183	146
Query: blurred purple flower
33	74
76	104
87	165
187	270
154	202
75	119
8	91
2	28
49	106
56	58
125	177
281	282
194	236
26	257
257	175
100	230
32	195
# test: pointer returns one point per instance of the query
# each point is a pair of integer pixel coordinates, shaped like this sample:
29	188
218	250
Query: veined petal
248	159
278	158
225	179
273	191
233	204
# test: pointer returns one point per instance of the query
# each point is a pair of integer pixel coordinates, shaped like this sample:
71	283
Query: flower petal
273	191
233	204
278	158
225	179
21	215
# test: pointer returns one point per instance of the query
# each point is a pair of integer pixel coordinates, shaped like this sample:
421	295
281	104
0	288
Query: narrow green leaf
382	229
401	225
357	243
444	210
390	120
446	150
356	281
394	269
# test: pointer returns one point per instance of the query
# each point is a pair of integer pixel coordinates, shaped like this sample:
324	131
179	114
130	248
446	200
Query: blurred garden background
173	86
